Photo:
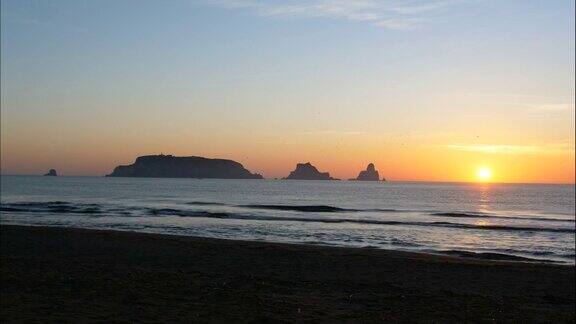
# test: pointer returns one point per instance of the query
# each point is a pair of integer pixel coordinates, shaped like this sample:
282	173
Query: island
370	174
169	166
306	171
51	173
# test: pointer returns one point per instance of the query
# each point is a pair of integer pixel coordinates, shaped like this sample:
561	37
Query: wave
70	208
388	210
206	203
186	213
504	227
51	207
492	256
225	215
483	215
301	208
334	209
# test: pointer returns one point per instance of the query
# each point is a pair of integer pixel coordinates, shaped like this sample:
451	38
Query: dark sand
59	275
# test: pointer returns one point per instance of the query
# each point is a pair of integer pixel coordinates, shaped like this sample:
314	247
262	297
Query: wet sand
72	275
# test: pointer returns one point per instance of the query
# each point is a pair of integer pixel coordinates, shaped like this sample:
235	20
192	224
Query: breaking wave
483	215
302	208
61	207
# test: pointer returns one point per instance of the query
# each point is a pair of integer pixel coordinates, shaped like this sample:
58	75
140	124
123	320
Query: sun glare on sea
484	174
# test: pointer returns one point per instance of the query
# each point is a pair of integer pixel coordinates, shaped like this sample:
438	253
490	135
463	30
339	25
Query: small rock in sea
51	173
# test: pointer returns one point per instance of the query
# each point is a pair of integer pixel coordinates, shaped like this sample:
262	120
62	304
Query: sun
484	174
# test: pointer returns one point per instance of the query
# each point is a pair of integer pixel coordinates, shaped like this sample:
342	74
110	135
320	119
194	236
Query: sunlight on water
482	223
484	203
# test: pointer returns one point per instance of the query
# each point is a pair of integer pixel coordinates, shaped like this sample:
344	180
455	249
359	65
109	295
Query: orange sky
343	155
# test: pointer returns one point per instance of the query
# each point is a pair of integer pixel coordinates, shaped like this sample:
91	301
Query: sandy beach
72	275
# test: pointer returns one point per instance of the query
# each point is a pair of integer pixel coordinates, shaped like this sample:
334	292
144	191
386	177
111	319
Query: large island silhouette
169	166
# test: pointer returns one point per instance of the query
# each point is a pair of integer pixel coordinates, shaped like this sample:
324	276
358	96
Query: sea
525	222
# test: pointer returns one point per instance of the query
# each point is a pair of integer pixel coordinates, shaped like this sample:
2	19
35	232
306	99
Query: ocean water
501	221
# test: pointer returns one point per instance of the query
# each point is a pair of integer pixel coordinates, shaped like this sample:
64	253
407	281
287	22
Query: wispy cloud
552	148
555	107
392	14
543	106
333	132
24	20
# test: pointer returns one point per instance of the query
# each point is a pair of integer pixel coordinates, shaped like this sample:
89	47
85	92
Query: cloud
532	102
552	148
414	8
24	20
399	24
333	132
392	14
556	107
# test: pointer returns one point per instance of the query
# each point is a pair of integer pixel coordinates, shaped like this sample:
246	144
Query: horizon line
336	180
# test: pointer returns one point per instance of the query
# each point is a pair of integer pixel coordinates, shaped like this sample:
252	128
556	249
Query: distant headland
306	171
169	166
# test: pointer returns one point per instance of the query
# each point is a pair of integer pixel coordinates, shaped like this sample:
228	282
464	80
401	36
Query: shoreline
451	254
66	274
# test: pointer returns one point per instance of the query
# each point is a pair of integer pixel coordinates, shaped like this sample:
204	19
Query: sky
426	90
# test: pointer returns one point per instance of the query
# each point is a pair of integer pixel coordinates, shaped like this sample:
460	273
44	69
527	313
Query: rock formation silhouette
370	174
306	171
51	173
169	166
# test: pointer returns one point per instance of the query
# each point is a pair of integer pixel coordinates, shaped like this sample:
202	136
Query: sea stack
370	174
306	171
169	166
51	173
